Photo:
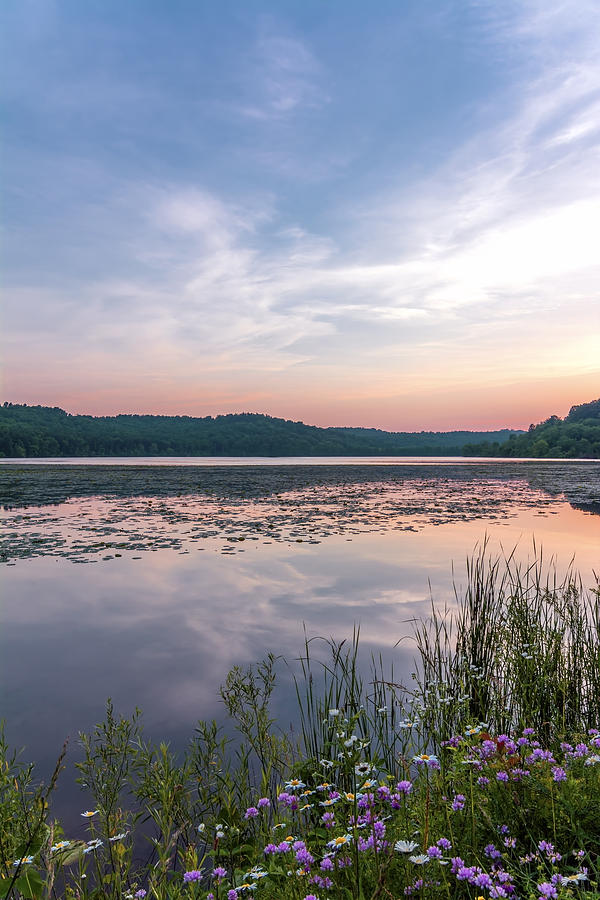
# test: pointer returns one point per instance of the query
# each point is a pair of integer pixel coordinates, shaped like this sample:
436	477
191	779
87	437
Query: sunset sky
376	213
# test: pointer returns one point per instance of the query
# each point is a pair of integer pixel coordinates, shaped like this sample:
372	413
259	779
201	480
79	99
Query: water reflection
162	630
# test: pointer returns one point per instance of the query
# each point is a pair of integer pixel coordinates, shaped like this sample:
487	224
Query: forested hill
30	431
577	436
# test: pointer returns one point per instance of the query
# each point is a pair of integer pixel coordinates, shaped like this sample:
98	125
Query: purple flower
264	801
491	852
482	781
404	787
547	890
270	848
529	731
465	873
140	894
322	881
558	774
458	802
502	776
434	852
251	813
304	857
444	843
311	897
194	875
326	864
232	894
219	872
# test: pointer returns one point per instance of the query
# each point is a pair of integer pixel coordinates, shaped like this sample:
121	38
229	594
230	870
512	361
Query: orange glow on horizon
479	407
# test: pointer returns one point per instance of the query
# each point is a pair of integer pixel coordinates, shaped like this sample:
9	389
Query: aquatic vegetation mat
86	513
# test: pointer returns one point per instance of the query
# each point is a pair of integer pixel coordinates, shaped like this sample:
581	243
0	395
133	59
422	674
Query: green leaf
30	884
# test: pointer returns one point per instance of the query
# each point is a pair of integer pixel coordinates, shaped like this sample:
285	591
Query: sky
346	213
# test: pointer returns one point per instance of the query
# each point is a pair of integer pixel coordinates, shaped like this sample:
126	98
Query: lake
147	580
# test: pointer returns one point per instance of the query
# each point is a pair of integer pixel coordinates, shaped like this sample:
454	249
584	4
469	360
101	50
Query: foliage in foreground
385	793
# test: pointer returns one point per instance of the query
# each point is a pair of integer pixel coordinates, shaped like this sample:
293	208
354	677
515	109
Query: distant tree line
577	436
42	431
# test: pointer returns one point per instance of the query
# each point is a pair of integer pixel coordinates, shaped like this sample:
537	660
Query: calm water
148	583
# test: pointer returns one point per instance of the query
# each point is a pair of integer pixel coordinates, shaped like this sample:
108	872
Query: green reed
522	647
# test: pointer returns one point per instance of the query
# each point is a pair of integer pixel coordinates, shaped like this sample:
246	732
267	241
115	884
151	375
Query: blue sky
347	213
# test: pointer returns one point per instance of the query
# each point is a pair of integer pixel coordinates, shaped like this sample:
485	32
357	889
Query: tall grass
522	648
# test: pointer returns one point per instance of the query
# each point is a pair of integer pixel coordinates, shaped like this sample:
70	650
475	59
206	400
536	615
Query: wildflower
326	864
93	845
201	827
305	858
256	873
491	852
219	872
592	760
117	837
263	802
420	859
351	741
334	713
459	802
427	759
444	844
405	846
404	787
294	784
62	845
434	852
89	813
547	890
194	875
232	894
24	861
363	768
251	812
270	848
340	841
140	894
329	802
573	879
326	763
482	781
502	776
368	784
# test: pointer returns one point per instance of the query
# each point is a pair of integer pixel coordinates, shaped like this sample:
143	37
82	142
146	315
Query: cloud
453	272
283	76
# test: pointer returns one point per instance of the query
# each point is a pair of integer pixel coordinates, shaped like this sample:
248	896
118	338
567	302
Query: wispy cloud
282	76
